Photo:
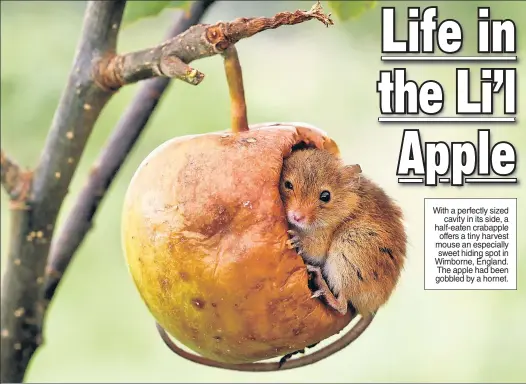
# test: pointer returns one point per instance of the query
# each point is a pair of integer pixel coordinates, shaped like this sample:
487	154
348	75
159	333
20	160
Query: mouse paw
292	244
294	241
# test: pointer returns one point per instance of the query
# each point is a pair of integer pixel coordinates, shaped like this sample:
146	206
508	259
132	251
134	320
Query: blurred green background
99	330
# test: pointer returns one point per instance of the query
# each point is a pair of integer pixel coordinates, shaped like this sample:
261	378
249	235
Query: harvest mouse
345	227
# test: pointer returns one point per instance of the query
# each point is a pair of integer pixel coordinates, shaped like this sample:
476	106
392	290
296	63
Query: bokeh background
99	330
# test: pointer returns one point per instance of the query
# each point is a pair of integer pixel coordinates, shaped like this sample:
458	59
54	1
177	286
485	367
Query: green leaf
136	10
346	10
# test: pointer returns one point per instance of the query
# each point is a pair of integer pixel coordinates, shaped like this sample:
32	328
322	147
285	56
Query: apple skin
204	235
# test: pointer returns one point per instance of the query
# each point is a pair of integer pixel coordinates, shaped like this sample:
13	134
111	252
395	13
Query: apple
204	234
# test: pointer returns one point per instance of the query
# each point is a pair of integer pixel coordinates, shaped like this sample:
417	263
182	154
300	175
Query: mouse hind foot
339	303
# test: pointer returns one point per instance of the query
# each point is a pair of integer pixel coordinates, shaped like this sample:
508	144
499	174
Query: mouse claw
317	293
294	242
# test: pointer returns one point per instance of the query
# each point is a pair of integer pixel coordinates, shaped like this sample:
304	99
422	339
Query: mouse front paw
294	241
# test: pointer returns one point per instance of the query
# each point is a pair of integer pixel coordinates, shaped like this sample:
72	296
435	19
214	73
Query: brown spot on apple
198	303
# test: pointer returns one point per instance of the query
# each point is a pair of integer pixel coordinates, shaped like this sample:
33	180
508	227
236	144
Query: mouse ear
353	170
352	173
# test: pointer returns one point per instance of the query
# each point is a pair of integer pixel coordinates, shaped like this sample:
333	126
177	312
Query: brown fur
357	238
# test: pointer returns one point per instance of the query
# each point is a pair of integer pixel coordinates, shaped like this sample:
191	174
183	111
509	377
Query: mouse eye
325	196
288	185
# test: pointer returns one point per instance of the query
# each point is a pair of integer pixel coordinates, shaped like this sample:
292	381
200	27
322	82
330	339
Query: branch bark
122	140
32	227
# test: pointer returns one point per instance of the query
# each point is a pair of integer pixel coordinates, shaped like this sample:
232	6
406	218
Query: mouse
349	232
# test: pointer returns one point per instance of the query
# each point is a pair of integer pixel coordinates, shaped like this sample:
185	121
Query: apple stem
234	77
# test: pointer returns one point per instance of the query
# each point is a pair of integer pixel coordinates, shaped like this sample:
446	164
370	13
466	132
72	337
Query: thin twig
197	42
122	140
15	181
10	172
234	77
302	361
32	228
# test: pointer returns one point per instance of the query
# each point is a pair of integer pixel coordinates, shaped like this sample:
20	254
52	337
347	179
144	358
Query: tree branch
124	136
169	58
32	228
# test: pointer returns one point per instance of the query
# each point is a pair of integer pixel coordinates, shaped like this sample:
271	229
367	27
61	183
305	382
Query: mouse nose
297	216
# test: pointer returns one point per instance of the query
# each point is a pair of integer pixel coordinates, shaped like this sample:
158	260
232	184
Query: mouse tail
323	353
